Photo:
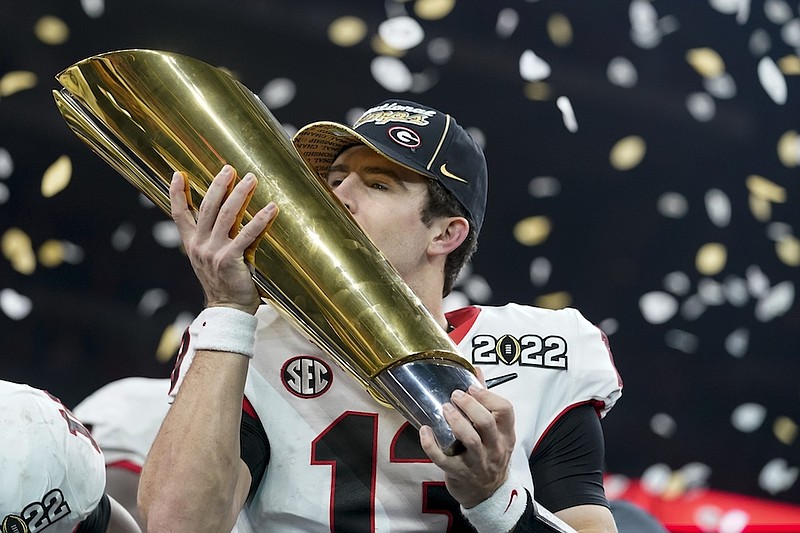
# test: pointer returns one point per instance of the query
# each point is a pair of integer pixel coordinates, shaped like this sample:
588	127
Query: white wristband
501	511
225	329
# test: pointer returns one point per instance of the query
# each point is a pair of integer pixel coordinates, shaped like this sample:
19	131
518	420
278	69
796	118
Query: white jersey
52	474
124	417
340	461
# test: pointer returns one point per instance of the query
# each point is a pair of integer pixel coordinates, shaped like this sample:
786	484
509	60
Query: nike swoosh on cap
443	170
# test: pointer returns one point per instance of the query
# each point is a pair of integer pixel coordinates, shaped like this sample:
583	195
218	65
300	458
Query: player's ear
449	233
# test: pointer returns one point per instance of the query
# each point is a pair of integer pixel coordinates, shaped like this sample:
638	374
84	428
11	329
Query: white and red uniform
340	461
52	474
124	417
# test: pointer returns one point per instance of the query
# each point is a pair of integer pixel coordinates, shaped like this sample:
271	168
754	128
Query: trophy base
419	389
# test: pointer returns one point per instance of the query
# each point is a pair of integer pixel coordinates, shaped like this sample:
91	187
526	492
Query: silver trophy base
420	388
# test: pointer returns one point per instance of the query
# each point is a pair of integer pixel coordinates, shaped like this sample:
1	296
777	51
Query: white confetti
401	33
677	283
760	42
622	72
166	234
734	521
681	340
478	289
701	106
721	86
737	341
658	307
6	164
93	8
672	205
777	11
507	22
609	326
123	236
15	305
391	73
693	307
757	281
544	187
567	113
777	476
152	301
748	417
775	302
710	292
440	50
656	479
663	425
455	300
772	80
718	207
533	67
540	271
5	194
278	93
790	33
736	291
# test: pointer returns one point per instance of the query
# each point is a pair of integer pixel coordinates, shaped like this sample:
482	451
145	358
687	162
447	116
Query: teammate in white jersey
300	444
52	471
123	417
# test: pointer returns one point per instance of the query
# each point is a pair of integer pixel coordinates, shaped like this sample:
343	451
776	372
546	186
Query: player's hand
216	247
484	423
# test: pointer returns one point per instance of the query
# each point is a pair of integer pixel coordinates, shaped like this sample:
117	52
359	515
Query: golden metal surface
148	113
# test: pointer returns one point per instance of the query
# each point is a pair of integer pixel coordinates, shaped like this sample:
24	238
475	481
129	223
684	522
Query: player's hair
442	203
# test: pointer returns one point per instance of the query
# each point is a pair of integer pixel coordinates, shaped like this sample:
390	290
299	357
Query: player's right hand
213	242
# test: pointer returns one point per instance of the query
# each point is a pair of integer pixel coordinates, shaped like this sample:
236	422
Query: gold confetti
785	430
51	30
347	31
789	65
532	231
765	189
761	209
18	250
380	47
788	250
628	152
711	258
554	300
537	90
169	343
57	176
676	486
789	149
559	29
706	62
16	81
51	253
433	9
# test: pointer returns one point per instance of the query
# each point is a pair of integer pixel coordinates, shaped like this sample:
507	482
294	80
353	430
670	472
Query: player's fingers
430	447
254	230
227	222
180	207
212	201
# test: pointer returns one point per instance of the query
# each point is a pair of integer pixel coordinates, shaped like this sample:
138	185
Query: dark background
609	245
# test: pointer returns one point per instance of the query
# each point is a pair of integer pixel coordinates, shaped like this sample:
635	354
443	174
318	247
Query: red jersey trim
462	320
126	465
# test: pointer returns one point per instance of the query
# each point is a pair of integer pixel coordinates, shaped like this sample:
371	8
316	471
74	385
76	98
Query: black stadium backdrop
643	160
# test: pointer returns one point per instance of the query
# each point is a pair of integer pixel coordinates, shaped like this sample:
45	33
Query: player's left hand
484	423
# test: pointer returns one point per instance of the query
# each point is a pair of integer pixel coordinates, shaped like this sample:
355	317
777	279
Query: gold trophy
148	113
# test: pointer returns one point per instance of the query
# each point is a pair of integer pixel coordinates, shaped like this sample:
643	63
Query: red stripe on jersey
462	320
126	465
248	408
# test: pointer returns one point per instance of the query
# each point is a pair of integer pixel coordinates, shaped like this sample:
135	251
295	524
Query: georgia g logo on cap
404	136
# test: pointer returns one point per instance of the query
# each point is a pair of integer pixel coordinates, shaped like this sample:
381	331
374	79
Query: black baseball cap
413	135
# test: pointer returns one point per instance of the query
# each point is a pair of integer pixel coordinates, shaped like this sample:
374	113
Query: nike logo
443	170
499	380
511	499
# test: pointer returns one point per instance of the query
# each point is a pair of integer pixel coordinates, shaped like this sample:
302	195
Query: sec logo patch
306	376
